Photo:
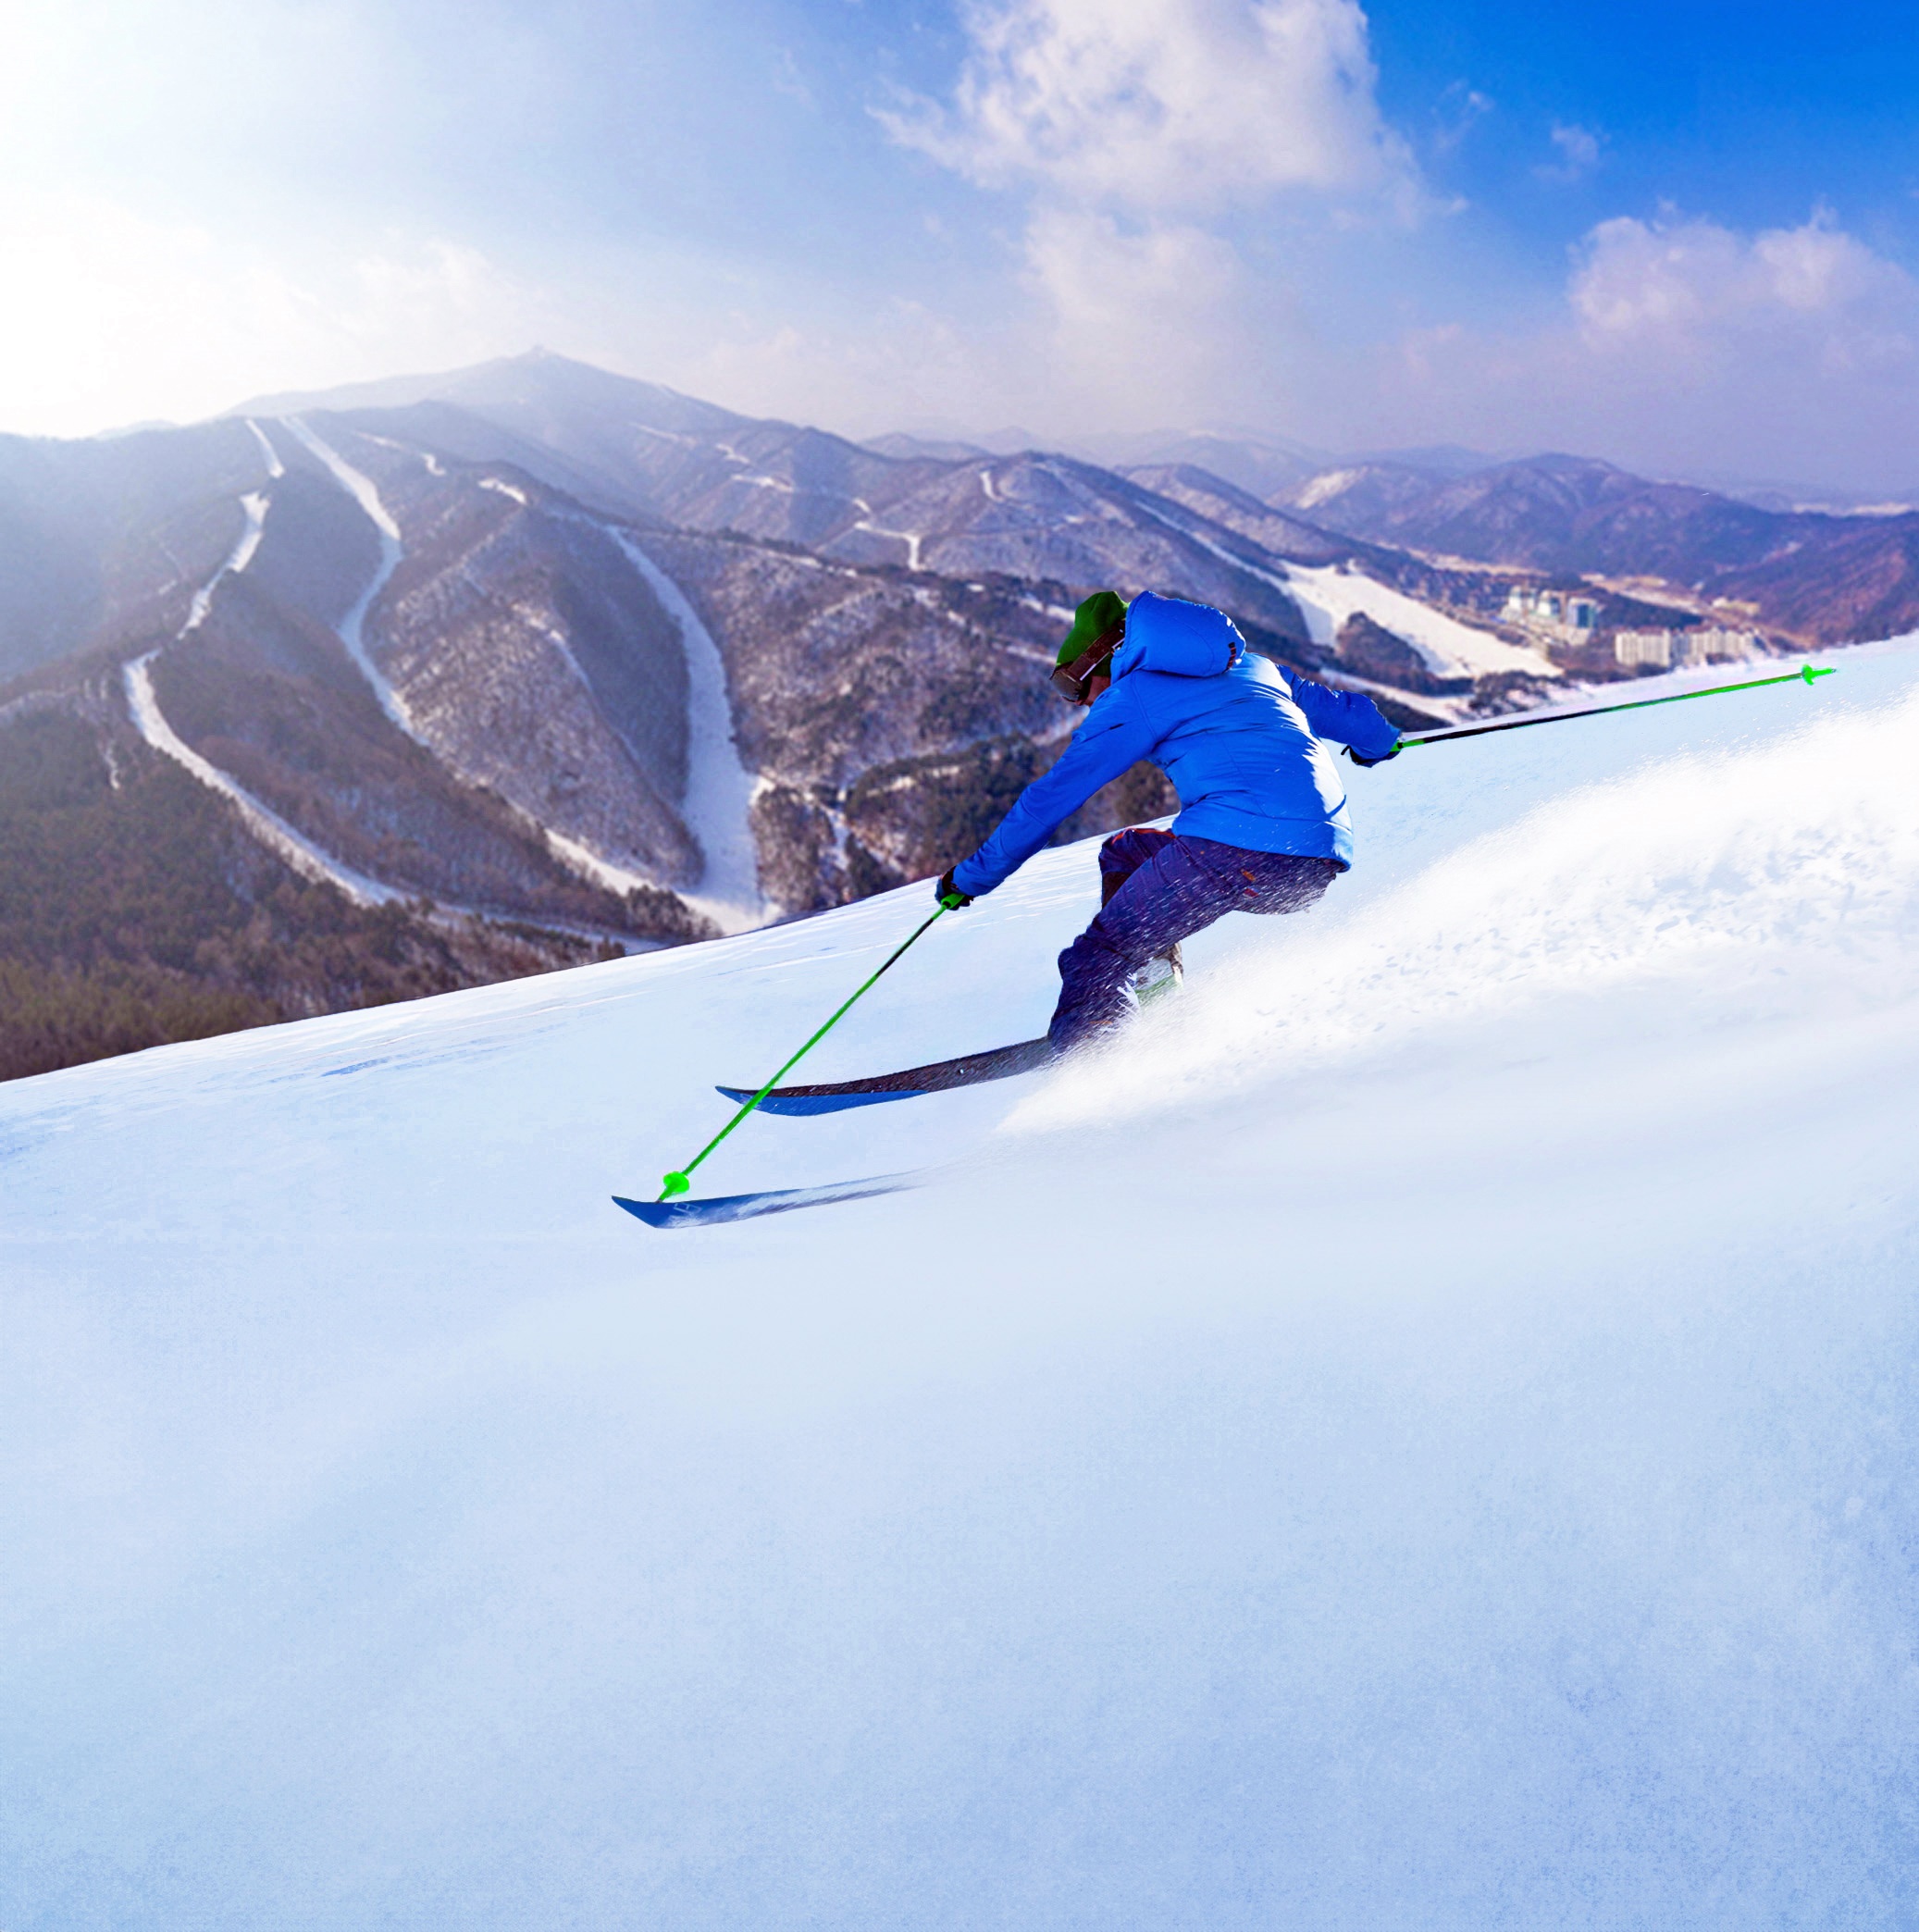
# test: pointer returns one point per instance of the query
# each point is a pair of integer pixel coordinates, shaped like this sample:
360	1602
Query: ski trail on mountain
267	826
242	554
719	799
1328	595
275	467
912	539
719	792
351	628
570	852
305	856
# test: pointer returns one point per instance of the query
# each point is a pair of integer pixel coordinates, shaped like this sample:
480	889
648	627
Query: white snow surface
275	467
1424	1438
266	824
143	706
911	539
353	626
719	790
254	506
1328	594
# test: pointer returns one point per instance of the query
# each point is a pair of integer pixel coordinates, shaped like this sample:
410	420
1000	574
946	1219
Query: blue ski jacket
1238	737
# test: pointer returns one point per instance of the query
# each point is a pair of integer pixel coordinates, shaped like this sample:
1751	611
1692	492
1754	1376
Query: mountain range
451	678
1816	577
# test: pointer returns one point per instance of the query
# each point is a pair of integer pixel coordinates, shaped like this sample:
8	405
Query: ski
968	1070
683	1212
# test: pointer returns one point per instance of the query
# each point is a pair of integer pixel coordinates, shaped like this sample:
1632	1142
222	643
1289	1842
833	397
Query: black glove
948	894
1370	763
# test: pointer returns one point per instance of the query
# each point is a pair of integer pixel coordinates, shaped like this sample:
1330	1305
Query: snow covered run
267	826
1329	594
718	804
589	864
912	539
275	467
143	706
254	506
1424	1439
353	626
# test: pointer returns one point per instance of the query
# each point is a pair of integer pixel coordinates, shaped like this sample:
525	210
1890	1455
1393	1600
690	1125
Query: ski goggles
1075	681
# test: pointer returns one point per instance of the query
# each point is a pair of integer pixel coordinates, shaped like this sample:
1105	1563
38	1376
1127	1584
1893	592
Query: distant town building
1667	648
1561	614
1643	647
1705	647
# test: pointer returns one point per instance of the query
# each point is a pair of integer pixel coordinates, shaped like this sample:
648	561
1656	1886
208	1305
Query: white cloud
1691	291
1461	108
1132	326
1158	106
904	364
1579	154
115	316
1686	346
1149	324
1143	135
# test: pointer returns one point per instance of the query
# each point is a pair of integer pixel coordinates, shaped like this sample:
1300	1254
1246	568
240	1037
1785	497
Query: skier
1262	824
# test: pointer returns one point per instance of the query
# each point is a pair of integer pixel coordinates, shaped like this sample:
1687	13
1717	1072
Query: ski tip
750	1207
661	1214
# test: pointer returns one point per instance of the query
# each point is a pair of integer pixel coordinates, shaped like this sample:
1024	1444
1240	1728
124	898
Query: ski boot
1165	972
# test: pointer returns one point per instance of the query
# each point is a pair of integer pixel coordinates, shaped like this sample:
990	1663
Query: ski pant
1158	889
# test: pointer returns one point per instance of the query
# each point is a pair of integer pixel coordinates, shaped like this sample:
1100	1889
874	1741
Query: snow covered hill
1822	576
1424	1439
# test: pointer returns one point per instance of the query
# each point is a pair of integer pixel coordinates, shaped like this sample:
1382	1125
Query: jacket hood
1182	639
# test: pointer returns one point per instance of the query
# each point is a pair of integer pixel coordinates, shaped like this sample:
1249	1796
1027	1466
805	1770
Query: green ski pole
1804	674
680	1178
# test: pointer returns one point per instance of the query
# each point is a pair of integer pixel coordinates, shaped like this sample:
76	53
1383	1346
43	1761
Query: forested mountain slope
1823	578
531	658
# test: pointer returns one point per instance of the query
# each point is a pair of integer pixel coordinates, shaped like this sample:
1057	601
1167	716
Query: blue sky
1685	236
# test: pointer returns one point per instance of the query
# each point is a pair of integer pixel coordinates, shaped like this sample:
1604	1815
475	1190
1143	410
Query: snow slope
1329	594
1424	1440
353	625
718	804
150	721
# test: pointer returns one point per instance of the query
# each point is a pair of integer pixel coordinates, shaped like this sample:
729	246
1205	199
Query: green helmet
1104	611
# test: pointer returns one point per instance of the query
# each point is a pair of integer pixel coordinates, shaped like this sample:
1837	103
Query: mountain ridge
1821	578
444	648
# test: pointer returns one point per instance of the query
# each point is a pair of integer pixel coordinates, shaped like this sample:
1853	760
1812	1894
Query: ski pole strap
1805	674
679	1179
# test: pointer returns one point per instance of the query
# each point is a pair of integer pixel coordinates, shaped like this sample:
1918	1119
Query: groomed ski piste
1423	1438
